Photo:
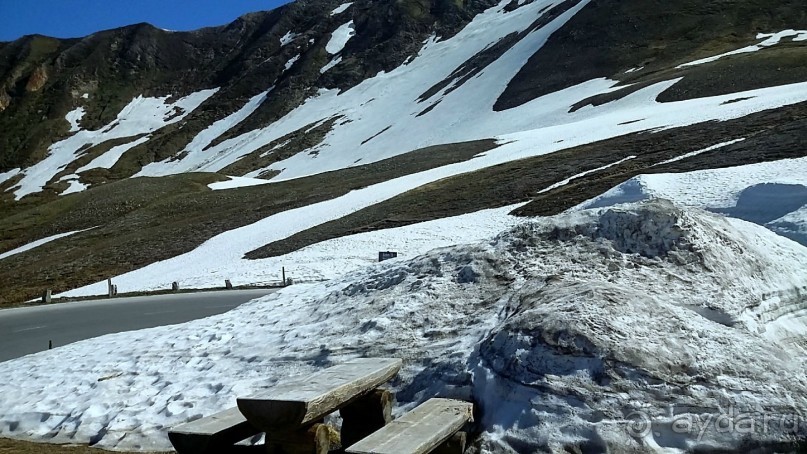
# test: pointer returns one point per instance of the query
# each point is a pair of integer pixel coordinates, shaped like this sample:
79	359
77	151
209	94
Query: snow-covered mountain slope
593	330
141	117
449	89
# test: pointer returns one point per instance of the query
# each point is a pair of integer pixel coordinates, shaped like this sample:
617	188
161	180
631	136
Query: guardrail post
46	297
175	286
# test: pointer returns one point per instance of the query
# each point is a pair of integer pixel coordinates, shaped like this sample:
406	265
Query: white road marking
230	306
28	329
158	313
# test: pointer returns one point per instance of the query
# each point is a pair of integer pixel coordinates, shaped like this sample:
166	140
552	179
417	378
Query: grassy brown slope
783	64
780	65
770	135
144	220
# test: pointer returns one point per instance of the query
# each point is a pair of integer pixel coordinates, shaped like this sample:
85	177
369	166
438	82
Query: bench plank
299	402
419	431
213	433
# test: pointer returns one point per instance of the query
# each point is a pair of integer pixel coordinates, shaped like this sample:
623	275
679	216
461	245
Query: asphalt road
28	330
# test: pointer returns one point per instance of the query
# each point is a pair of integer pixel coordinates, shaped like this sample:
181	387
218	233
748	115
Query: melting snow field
716	188
771	194
222	257
595	329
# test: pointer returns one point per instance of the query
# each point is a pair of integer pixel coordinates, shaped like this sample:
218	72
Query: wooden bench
212	434
425	429
291	413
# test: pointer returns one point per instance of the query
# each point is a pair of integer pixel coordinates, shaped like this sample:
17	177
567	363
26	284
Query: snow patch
697	152
195	153
330	64
9	174
75	185
288	38
341	8
710	188
582	174
291	62
221	257
74	117
236	182
771	194
37	243
340	37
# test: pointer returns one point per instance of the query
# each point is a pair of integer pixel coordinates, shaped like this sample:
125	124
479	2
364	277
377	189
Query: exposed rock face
4	100
37	80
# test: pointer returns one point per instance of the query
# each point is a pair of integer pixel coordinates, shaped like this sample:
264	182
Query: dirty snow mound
604	329
772	194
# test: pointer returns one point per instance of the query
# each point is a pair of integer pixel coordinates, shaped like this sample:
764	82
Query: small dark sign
386	255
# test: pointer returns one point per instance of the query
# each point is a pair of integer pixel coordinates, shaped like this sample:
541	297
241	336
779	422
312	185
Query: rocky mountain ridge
42	78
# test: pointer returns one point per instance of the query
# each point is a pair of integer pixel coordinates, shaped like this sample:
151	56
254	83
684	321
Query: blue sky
75	18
